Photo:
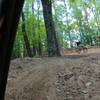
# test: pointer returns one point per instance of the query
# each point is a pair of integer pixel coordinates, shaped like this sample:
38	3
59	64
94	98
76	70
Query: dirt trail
71	77
89	51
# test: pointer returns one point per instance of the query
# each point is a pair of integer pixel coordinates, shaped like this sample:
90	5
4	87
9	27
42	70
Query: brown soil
71	77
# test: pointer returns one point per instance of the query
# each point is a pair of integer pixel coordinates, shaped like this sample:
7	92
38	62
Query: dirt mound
72	77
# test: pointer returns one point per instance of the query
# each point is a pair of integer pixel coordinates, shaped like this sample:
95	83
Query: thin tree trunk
34	32
60	38
27	44
39	36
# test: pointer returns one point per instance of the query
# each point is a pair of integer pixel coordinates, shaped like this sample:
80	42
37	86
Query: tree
39	36
53	48
73	20
33	31
27	44
10	12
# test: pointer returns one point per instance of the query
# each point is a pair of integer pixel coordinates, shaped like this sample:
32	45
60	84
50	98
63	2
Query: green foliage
80	19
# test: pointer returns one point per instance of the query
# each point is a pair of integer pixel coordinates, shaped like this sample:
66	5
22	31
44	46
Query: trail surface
71	77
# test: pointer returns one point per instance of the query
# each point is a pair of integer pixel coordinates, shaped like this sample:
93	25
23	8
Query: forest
48	27
56	52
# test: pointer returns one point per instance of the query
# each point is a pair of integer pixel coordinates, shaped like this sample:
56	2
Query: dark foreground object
9	16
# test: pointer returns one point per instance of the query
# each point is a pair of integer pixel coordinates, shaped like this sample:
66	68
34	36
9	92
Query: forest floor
70	77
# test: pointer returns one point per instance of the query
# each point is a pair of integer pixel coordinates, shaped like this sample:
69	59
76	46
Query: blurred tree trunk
53	47
10	12
27	44
39	36
57	26
34	32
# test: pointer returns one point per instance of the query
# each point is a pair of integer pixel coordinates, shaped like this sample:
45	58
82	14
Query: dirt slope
71	77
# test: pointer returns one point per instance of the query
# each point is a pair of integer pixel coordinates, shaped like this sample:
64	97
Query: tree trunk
27	44
39	36
34	32
10	13
57	25
53	49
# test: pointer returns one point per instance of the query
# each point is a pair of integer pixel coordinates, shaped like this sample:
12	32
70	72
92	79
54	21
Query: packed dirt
70	77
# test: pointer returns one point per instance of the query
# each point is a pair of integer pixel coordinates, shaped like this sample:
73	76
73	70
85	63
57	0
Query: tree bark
10	13
53	48
39	36
27	44
34	32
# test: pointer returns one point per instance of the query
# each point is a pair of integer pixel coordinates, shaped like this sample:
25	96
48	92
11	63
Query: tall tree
53	48
33	31
38	25
27	44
